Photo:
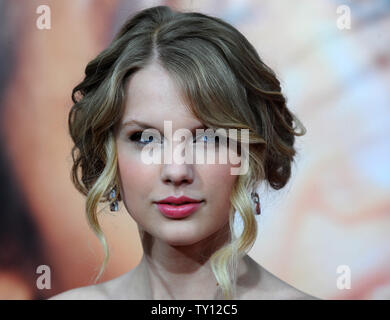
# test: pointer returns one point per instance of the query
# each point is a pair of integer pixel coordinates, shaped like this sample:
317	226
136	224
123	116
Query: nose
177	174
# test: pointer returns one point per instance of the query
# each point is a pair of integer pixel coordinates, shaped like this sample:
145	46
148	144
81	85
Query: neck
180	272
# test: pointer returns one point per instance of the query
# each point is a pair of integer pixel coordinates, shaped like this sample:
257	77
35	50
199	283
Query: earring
113	204
255	198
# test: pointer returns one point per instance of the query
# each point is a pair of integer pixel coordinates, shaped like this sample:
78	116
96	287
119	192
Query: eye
136	137
205	139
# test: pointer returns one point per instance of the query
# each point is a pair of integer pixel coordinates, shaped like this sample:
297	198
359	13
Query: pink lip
179	211
180	200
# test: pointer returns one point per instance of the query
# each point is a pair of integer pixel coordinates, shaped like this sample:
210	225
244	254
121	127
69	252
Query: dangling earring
113	204
255	198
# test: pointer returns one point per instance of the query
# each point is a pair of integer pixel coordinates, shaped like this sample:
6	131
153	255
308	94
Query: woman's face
151	98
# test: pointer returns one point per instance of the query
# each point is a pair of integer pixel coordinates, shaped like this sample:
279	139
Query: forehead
152	94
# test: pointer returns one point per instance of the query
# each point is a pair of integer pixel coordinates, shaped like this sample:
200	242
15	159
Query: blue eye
205	139
137	138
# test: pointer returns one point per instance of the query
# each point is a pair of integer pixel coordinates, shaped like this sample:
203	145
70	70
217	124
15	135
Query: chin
184	237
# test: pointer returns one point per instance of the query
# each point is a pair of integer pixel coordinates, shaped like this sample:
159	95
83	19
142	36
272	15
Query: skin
175	263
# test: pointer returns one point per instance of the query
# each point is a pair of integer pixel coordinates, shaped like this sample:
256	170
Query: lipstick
181	207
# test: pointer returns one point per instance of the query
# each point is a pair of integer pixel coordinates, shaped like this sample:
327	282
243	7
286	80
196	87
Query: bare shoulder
284	291
93	292
108	290
269	286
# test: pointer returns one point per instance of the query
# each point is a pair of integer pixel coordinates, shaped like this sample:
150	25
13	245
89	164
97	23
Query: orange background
334	211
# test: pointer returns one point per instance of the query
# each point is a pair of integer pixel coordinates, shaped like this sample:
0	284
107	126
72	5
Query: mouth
178	207
179	201
177	204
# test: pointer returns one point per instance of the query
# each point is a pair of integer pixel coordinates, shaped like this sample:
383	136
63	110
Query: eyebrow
144	125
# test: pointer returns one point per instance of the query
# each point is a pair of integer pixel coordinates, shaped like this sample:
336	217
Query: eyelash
139	135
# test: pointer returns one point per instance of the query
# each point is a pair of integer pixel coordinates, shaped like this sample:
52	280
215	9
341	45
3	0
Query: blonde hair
225	85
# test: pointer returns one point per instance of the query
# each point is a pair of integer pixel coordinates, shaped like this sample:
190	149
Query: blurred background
335	211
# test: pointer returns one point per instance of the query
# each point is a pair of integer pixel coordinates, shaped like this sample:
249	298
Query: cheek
219	183
136	178
218	177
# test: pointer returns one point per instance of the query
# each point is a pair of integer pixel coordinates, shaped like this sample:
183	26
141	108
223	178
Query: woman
192	71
